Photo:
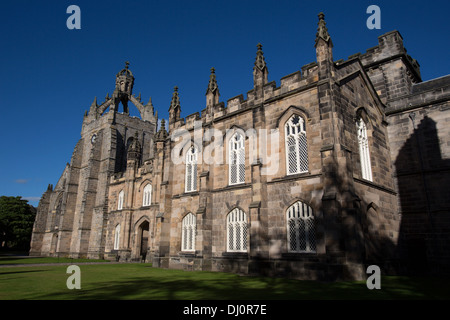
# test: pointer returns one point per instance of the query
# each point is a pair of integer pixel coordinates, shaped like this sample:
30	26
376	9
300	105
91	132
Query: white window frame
191	169
296	145
147	195
120	200
188	232
237	231
236	167
300	226
364	153
117	237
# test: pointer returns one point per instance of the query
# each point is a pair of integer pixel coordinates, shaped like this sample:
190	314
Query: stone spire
149	103
212	92
322	31
175	108
324	49
162	134
212	85
260	63
93	109
260	72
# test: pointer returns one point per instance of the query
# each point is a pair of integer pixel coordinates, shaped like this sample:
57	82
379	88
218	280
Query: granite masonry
343	165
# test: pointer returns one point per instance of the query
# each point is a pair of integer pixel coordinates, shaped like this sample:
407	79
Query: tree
16	222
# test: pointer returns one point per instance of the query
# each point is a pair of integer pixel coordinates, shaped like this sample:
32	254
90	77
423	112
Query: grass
137	281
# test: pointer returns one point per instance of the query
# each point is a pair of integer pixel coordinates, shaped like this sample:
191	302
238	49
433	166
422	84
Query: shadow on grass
192	286
20	271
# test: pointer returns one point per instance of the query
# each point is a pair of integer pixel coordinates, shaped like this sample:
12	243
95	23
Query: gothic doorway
143	233
54	243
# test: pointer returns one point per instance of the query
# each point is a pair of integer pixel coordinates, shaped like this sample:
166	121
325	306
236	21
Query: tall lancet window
191	169
237	230
296	145
237	159
147	199
188	232
116	237
364	154
120	200
300	228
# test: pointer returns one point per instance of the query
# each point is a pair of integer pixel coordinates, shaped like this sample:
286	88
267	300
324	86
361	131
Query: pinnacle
322	31
175	99
94	103
212	85
260	63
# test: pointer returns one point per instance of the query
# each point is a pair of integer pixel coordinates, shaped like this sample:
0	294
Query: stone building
343	165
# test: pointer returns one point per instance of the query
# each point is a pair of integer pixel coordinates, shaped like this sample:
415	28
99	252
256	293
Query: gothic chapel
361	154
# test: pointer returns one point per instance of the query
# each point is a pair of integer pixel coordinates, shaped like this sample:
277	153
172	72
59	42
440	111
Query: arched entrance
53	244
143	239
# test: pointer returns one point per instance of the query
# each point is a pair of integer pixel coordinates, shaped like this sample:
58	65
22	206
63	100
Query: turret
124	87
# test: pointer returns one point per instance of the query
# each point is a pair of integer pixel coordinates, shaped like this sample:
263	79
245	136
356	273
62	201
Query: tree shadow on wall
423	179
353	232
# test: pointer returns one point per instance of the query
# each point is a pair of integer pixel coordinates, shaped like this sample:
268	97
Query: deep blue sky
50	74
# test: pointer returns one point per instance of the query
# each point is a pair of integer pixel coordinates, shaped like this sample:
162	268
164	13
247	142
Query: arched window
237	229
147	198
120	200
296	145
237	159
364	155
188	232
300	228
116	237
191	170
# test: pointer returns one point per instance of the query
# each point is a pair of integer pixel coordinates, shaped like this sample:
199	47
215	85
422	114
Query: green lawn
141	281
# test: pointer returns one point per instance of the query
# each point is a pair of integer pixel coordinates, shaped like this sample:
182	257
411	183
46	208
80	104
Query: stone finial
175	99
126	71
322	31
212	85
162	134
94	103
260	63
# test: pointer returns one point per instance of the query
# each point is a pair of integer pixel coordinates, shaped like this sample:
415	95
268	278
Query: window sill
187	254
235	254
297	176
298	255
233	187
186	194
